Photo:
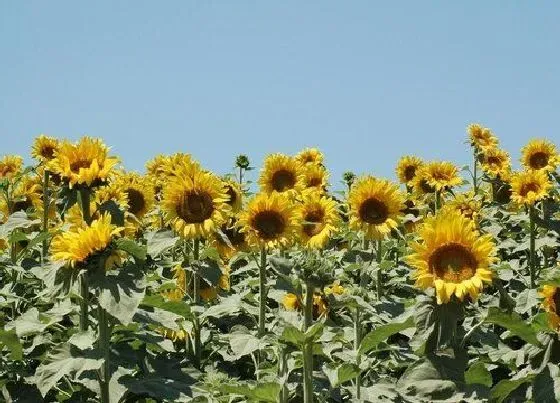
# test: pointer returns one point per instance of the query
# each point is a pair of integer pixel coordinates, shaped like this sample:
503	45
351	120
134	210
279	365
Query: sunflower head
310	156
319	219
235	240
551	305
453	257
495	163
10	165
235	195
269	220
315	178
85	163
27	194
375	207
540	154
44	148
77	245
291	302
407	167
440	175
281	173
139	193
195	204
467	205
481	137
528	187
335	288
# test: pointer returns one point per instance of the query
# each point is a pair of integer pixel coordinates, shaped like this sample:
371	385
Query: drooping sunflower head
139	193
540	154
26	194
44	148
291	302
466	204
85	163
551	305
481	137
453	257
315	178
235	195
407	167
335	288
420	183
495	162
319	220
269	220
10	165
195	204
77	245
528	187
310	156
235	240
441	175
281	173
374	207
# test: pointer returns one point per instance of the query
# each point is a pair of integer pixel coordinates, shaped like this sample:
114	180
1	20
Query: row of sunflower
182	285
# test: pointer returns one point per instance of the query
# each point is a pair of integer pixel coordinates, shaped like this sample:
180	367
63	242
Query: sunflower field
184	285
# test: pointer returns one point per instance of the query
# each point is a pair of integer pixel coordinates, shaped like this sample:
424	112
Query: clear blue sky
366	82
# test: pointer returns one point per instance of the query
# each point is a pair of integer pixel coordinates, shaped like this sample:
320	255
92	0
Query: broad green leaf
546	386
514	323
158	301
11	340
17	220
261	392
243	344
339	374
381	333
160	241
478	374
132	248
83	340
505	387
293	335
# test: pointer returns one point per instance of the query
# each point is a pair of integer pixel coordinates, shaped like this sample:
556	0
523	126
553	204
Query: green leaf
293	335
506	386
111	207
263	391
381	333
132	248
314	332
17	220
478	374
11	340
160	241
158	301
547	385
209	270
338	374
243	344
514	323
83	340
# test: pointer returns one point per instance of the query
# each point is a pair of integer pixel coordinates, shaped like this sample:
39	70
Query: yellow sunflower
315	178
269	220
75	246
335	288
466	204
407	167
86	162
281	173
291	302
195	204
164	166
453	258
44	148
319	220
235	196
440	175
551	304
10	165
176	294
27	194
540	154
235	237
310	156
528	187
495	162
420	183
139	194
375	207
481	137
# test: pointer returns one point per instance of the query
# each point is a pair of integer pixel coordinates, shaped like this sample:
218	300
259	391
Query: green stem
308	347
262	293
196	297
45	212
532	236
475	165
357	341
104	346
282	372
379	277
241	177
437	203
84	196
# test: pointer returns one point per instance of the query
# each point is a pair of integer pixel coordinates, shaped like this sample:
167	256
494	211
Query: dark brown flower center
314	181
235	237
538	160
373	211
283	180
426	187
453	262
47	152
22	205
409	172
232	195
556	299
76	165
136	201
313	222
269	224
526	188
492	160
195	207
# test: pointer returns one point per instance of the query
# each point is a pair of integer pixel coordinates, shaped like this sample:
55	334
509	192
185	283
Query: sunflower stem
45	212
475	165
196	298
84	199
282	374
437	202
357	341
308	346
532	236
262	293
104	347
379	274
241	177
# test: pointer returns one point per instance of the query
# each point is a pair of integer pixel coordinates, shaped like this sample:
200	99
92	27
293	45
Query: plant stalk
196	298
104	346
308	346
84	198
532	236
379	274
357	341
45	212
262	293
475	173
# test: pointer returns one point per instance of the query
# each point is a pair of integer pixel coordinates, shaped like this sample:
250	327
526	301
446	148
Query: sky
364	81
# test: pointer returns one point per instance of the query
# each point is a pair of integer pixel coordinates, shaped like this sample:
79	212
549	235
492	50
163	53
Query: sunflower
440	175
234	236
27	194
453	257
335	288
235	196
551	304
540	154
291	302
420	183
281	173
466	204
139	194
310	156
495	162
269	220
375	207
315	177
176	294
195	203
319	220
407	167
10	165
84	163
163	166
481	137
77	245
44	148
528	187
